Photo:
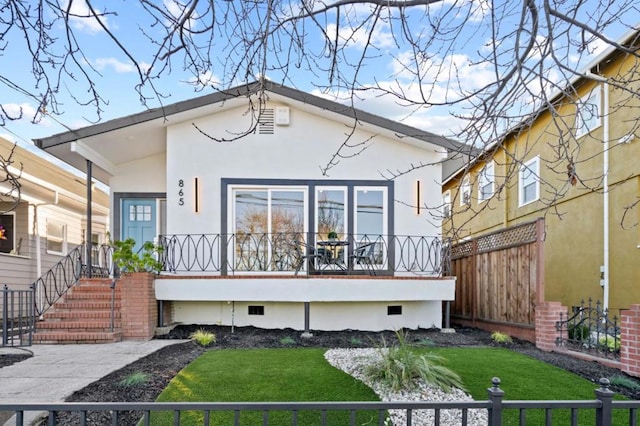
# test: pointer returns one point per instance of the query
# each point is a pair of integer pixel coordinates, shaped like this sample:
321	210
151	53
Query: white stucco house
231	185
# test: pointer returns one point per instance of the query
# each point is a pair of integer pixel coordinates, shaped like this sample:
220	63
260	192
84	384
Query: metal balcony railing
306	253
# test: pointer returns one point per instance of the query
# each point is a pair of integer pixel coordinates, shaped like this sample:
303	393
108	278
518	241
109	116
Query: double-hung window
529	181
56	237
7	232
486	182
446	204
588	113
465	191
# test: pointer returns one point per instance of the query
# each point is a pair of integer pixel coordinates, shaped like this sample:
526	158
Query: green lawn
522	378
265	375
304	375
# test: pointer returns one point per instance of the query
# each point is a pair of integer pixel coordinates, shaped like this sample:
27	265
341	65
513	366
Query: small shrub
146	260
500	337
354	341
287	341
401	365
625	382
134	379
579	332
425	343
203	337
610	343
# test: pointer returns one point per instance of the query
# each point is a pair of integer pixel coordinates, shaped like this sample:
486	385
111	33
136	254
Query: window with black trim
7	232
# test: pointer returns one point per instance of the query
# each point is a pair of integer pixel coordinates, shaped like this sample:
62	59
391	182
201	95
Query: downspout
605	188
605	195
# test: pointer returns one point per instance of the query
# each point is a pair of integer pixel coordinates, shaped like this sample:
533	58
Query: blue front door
138	220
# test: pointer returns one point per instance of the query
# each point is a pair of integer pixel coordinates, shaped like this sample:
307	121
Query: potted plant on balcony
332	235
145	260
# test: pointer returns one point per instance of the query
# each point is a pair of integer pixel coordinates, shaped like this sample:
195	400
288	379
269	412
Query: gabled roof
240	92
629	39
143	134
43	182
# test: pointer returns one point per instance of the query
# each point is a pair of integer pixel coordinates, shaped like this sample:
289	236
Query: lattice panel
515	236
462	250
511	237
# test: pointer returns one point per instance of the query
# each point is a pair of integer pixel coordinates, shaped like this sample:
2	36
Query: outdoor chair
313	256
363	255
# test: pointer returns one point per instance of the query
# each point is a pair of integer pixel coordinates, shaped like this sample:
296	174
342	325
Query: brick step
93	286
85	305
78	314
71	337
91	295
80	325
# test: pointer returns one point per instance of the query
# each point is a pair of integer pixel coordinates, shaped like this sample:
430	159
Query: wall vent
282	116
266	122
256	310
394	310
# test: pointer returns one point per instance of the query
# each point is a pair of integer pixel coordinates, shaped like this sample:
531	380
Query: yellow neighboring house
577	165
48	222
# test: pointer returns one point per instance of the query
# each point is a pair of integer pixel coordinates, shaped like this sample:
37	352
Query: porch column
89	215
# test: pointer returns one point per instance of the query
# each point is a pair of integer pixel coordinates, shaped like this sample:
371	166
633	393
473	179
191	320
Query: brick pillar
630	341
139	309
547	314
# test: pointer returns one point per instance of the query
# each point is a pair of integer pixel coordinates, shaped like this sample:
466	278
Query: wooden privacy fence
500	279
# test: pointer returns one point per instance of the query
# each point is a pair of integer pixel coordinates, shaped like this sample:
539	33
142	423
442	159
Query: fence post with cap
604	413
495	398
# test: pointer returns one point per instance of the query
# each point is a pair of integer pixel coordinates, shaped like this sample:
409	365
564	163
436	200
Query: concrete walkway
56	371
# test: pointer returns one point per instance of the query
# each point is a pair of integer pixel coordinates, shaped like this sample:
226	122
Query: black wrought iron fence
17	313
309	253
589	328
600	411
54	283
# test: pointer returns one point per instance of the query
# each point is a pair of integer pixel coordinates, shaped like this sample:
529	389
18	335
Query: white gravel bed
354	362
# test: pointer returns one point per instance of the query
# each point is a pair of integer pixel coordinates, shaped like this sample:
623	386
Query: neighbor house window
56	237
446	204
529	181
486	182
465	191
7	233
588	113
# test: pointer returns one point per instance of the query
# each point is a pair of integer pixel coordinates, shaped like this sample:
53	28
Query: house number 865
181	192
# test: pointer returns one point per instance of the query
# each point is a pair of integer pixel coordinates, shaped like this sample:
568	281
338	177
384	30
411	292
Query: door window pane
370	217
331	215
267	223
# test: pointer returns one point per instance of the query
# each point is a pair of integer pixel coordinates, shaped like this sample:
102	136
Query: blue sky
389	63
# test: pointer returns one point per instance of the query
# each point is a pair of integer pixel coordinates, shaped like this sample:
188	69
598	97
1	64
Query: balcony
304	254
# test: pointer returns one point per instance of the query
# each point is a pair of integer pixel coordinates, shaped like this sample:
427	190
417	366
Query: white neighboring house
246	224
50	220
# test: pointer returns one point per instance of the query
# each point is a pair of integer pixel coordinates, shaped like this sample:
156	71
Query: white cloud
205	79
118	66
176	10
83	19
23	111
380	37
